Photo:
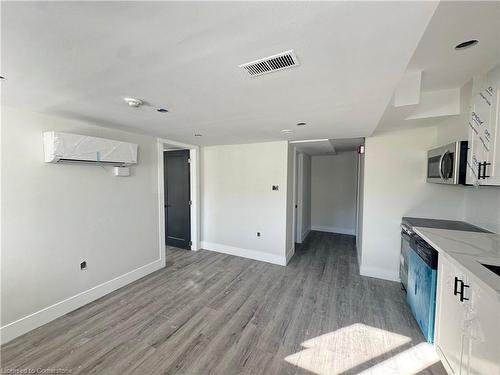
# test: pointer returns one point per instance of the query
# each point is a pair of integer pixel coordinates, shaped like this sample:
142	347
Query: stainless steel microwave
447	164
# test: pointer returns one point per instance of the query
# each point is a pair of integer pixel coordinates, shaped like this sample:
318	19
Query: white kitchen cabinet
450	316
481	350
483	161
467	323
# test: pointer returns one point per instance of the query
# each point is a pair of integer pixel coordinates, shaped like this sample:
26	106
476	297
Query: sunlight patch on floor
360	345
408	362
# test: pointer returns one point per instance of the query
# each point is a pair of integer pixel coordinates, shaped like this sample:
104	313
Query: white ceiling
78	59
318	147
443	67
455	22
328	146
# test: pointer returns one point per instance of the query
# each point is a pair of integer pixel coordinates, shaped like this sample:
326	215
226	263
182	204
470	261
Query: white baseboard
443	359
378	273
245	253
321	228
289	254
41	317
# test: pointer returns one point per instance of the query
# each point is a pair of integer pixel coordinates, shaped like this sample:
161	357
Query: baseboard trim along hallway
379	273
245	253
338	230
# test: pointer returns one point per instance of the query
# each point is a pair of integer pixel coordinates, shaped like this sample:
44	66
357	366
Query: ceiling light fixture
197	135
133	102
466	44
162	110
301	124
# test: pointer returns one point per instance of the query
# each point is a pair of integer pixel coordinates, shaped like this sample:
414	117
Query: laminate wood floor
210	313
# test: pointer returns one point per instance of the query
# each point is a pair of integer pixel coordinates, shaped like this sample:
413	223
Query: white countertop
469	250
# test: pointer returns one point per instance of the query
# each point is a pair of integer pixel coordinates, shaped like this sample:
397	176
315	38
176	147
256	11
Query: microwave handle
441	165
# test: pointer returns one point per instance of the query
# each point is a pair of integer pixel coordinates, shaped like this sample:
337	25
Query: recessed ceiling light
301	124
161	110
466	44
197	135
133	102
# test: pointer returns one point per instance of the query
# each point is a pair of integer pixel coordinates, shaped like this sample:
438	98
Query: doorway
179	189
177	198
328	187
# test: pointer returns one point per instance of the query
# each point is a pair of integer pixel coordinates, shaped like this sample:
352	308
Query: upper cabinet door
484	130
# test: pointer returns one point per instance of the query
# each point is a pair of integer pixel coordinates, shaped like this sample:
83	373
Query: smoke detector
274	63
134	102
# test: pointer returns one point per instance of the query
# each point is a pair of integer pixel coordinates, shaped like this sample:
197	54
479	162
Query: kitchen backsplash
482	207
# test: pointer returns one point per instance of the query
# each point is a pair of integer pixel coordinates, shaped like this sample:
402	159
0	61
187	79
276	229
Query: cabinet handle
482	166
455	287
462	287
485	164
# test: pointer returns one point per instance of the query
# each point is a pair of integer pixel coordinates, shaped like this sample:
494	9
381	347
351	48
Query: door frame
194	176
183	153
290	231
360	181
299	194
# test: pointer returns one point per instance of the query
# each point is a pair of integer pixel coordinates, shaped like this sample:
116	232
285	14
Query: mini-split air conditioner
75	148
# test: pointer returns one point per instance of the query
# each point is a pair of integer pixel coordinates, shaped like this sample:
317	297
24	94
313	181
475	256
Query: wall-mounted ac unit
66	147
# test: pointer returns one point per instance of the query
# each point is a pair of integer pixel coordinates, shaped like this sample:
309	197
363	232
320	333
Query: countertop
468	250
440	224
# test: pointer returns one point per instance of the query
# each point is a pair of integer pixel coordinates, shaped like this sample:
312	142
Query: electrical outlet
83	265
258	234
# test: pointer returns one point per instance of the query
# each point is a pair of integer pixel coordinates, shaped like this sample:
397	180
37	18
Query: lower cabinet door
481	351
450	316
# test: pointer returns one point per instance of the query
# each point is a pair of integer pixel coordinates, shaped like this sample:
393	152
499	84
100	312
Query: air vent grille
283	60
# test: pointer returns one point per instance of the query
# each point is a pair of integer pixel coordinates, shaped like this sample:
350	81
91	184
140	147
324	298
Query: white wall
306	196
56	215
395	186
333	192
238	200
455	128
482	207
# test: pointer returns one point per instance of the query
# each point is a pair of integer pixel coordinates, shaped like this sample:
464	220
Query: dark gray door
177	199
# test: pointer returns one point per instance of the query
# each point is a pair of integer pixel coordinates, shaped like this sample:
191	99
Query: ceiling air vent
283	60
